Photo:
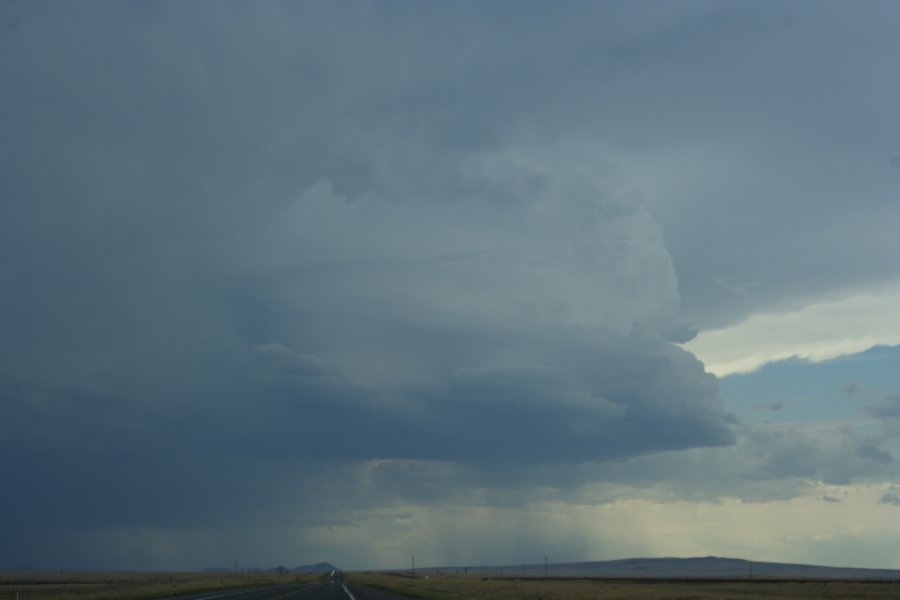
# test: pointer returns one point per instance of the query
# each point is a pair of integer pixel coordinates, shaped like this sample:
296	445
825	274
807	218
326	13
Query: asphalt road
320	590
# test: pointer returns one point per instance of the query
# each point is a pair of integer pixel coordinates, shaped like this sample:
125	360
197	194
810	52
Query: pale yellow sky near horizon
817	332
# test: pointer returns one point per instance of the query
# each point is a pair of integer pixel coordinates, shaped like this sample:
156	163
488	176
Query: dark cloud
281	263
234	246
751	147
873	452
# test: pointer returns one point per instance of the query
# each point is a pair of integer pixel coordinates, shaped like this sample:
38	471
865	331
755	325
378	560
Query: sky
482	282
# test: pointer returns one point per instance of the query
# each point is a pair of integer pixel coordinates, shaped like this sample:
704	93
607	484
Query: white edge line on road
348	591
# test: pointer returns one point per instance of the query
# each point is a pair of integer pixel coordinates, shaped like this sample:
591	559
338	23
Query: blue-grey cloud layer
244	241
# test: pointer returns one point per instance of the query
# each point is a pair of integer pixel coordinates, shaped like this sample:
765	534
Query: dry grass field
67	585
447	587
71	585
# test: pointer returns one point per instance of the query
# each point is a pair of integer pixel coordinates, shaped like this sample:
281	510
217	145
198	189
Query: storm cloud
320	264
242	242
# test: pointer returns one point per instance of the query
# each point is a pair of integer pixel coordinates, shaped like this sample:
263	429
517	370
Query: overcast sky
481	282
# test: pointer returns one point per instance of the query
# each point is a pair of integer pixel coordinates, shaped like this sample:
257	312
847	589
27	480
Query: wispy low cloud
851	388
888	407
772	406
874	452
890	499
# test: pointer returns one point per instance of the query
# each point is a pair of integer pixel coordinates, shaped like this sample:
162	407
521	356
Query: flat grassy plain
80	585
449	587
68	585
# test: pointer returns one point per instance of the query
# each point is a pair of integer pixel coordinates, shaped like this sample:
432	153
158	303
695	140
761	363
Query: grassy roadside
448	587
69	585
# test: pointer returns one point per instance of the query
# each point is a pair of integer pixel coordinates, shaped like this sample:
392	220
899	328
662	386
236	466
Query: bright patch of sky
817	332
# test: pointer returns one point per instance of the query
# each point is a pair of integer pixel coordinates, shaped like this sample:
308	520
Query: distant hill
677	568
